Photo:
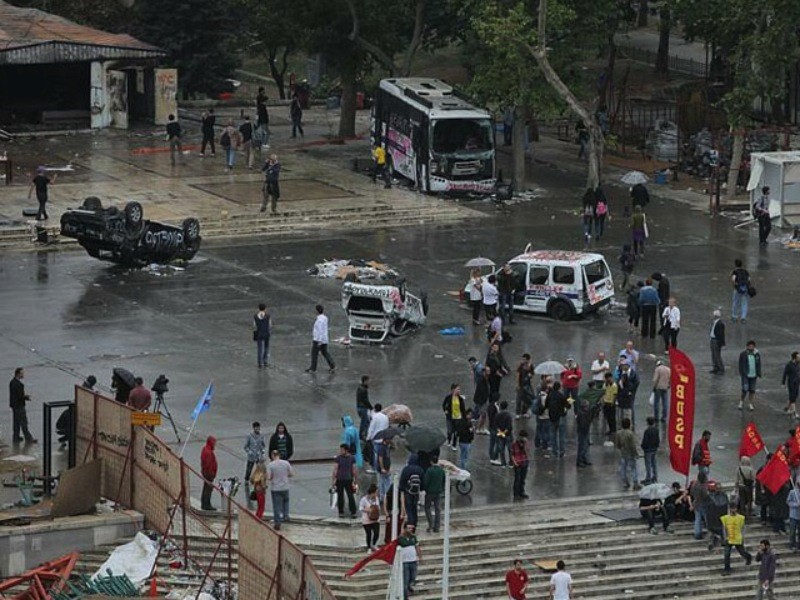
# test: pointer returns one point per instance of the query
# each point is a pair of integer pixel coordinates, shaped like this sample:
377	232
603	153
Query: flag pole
446	541
188	435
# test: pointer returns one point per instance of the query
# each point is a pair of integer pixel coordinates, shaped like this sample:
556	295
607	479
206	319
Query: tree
664	32
758	41
114	17
201	39
272	30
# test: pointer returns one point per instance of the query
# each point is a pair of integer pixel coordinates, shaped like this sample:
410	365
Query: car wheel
92	203
560	311
191	230
134	215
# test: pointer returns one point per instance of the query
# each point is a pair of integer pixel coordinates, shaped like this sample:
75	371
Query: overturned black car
126	238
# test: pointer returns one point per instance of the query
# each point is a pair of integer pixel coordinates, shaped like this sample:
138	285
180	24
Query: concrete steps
285	223
608	561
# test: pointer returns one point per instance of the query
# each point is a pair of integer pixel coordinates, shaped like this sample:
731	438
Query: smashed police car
378	311
125	237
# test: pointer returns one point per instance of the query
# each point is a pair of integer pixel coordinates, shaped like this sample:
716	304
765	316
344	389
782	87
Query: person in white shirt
476	295
496	330
378	423
600	366
671	320
490	297
320	341
561	583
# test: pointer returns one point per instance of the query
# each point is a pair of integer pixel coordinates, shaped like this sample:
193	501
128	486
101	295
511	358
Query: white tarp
134	559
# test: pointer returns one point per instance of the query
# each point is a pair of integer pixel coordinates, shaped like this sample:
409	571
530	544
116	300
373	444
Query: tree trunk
416	37
596	140
276	73
518	147
664	29
736	160
641	20
347	114
608	79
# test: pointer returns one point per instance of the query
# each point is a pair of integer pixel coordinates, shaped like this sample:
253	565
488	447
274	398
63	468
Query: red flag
681	414
385	554
794	446
776	472
751	443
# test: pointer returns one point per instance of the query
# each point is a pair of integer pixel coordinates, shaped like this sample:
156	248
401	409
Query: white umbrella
479	262
655	491
634	177
549	367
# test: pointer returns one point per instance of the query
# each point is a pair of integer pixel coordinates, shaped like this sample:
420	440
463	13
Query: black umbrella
387	434
424	439
125	376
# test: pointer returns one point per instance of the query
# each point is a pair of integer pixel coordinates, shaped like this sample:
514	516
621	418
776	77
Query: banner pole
188	436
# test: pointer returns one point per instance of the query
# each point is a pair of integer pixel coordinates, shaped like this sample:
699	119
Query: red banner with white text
681	414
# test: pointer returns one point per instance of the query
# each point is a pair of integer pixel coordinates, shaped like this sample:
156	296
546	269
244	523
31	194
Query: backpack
225	140
742	281
414	484
602	208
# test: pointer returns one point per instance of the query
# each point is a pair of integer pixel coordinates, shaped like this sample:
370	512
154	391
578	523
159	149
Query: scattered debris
452	331
352	270
44	582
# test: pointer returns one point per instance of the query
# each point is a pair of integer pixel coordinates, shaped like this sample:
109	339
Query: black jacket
482	390
651	440
273	444
556	405
503	422
16	393
791	374
362	397
719	332
447	408
464	431
743	363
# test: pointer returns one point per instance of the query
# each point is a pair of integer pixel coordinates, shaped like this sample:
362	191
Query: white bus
433	136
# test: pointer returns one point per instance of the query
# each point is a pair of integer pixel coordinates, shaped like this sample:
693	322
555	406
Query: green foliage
201	38
757	39
107	15
498	55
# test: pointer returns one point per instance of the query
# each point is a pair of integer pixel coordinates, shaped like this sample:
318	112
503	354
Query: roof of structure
32	36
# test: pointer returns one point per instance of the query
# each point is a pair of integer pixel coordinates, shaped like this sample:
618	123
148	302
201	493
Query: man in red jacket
208	467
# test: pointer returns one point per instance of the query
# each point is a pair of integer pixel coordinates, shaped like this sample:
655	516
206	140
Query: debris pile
355	269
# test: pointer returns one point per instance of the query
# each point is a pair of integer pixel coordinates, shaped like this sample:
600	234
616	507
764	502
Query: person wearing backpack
230	140
411	485
601	211
370	509
740	280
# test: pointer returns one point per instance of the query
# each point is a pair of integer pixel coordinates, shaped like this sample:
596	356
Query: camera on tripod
160	385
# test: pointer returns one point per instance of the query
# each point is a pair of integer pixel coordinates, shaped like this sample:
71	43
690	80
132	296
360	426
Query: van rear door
598	283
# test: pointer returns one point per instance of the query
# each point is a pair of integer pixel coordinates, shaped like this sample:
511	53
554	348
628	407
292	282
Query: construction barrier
233	549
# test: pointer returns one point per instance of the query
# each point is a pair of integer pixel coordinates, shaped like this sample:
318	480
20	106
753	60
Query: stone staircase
607	560
290	222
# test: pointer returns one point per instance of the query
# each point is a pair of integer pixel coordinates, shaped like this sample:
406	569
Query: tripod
161	403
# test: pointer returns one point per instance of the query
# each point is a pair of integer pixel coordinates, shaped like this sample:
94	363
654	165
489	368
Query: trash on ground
355	269
452	331
134	559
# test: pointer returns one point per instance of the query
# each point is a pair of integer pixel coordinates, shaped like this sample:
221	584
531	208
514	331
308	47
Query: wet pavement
66	316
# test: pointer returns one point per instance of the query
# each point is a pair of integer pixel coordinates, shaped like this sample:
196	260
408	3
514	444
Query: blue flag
204	403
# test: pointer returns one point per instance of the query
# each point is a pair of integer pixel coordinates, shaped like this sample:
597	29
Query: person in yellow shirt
733	537
610	392
381	168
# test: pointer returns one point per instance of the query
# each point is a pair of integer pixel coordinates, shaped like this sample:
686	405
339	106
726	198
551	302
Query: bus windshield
462	136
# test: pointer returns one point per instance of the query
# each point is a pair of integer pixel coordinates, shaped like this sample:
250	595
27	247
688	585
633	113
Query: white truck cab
559	283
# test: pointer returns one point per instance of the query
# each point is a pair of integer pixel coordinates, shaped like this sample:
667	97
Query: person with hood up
350	437
410	486
281	441
208	468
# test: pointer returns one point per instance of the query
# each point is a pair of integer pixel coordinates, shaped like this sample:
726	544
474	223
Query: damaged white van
559	283
375	312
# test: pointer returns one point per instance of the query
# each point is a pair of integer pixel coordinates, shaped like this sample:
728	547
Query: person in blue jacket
350	437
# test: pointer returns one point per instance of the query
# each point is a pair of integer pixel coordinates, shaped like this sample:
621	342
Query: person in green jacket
625	443
638	231
433	483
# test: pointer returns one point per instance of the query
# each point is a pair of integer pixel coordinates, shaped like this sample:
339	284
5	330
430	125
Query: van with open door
559	283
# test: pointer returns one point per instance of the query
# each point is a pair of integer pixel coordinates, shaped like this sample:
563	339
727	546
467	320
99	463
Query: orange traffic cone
154	586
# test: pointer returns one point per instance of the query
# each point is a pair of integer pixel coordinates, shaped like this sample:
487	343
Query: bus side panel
399	118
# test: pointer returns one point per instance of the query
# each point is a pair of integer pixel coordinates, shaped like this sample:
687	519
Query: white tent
781	172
